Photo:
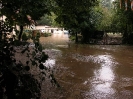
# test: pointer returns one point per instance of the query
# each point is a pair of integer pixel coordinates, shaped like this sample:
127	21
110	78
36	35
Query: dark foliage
16	82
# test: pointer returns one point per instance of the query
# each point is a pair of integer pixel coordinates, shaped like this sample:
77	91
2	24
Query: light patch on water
49	63
104	88
103	59
101	82
107	64
105	74
82	58
102	91
62	46
52	53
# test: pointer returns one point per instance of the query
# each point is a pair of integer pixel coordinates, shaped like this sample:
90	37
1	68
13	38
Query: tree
48	19
106	3
75	15
16	80
106	20
124	19
23	12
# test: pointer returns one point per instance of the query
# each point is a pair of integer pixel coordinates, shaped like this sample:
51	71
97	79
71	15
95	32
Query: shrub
16	79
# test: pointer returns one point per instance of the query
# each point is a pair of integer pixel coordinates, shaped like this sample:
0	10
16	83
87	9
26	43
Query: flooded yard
90	71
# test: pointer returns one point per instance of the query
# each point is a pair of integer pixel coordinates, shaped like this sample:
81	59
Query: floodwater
90	71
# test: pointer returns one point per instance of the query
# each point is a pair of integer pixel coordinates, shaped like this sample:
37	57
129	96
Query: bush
46	34
16	79
72	37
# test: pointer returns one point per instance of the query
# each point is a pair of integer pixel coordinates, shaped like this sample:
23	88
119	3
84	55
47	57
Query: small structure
48	29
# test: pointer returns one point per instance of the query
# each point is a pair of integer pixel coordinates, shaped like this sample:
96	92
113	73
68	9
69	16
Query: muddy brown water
90	71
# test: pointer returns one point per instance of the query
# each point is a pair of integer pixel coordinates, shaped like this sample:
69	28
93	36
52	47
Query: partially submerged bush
46	34
16	78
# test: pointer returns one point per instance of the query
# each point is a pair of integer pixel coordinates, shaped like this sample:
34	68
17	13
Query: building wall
48	29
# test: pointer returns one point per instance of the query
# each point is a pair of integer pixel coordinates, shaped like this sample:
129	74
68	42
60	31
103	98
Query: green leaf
43	78
33	53
11	49
27	68
43	73
44	58
23	51
40	48
27	62
34	63
41	66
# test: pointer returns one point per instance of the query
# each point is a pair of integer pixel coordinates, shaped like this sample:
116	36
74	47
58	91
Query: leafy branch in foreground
21	68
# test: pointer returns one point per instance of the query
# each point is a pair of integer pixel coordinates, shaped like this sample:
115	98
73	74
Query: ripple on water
52	53
105	59
100	85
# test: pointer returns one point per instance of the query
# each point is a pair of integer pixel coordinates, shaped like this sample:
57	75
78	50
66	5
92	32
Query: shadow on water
92	71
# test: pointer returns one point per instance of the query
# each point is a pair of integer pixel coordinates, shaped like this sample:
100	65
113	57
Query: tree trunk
86	36
125	36
0	31
76	37
20	33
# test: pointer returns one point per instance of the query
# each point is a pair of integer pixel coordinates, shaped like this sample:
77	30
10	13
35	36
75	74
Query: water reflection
91	71
105	73
52	53
49	63
56	39
101	83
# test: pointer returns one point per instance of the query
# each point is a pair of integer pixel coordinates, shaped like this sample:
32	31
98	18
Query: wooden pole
120	4
131	4
125	4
